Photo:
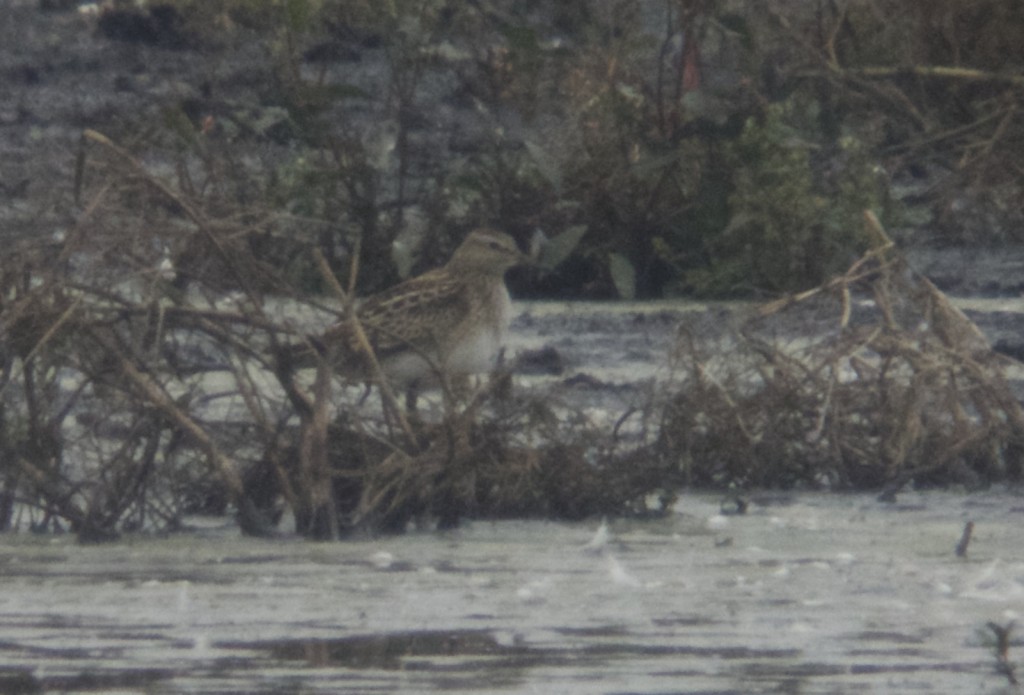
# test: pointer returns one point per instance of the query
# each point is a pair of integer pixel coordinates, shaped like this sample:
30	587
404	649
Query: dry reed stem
191	212
156	396
916	391
43	340
365	347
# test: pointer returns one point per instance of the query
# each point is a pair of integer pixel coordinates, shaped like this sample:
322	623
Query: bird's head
487	250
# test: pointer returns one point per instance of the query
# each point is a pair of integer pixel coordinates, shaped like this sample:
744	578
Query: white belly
475	353
479	350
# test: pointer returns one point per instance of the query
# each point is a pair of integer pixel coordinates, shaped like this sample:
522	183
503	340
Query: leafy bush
794	208
710	148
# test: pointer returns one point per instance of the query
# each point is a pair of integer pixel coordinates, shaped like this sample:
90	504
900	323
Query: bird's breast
477	349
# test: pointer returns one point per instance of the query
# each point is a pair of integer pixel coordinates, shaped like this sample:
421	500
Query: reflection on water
808	593
387	651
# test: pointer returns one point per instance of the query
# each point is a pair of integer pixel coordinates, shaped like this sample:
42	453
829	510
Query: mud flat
810	594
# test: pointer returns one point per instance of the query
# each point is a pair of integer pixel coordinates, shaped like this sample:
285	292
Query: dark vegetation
693	147
904	388
666	148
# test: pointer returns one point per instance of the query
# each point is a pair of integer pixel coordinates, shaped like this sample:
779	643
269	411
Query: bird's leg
411	394
367	389
460	387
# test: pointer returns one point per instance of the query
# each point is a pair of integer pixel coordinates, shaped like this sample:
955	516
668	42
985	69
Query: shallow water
813	594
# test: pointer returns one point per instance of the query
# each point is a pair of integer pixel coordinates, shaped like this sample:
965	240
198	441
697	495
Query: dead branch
907	389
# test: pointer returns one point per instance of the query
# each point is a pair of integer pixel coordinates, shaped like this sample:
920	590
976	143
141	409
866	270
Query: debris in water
1003	665
965	539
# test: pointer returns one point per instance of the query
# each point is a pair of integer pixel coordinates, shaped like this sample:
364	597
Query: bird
448	321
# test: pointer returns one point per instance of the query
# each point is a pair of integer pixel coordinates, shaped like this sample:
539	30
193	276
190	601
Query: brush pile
139	386
894	385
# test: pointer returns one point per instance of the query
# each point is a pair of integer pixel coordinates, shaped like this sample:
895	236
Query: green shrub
794	205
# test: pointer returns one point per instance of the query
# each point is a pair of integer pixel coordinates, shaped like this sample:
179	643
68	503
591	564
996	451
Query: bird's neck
475	274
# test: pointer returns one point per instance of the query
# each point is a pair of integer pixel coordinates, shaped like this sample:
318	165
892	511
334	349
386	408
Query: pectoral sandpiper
448	321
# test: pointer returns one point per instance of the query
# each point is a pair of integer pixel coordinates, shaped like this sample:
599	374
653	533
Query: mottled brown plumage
452	319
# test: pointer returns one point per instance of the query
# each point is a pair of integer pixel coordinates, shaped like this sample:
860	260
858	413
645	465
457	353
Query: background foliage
713	148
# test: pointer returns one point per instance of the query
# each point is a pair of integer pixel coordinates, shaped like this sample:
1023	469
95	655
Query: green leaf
546	164
558	248
522	38
403	256
345	91
738	25
655	164
178	123
623	275
297	13
268	117
917	215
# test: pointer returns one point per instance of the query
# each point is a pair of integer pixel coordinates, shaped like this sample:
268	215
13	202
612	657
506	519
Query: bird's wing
415	313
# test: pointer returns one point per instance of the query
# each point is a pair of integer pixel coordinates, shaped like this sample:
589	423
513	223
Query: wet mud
803	593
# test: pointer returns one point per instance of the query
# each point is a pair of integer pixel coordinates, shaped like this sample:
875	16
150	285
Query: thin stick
50	332
364	344
965	539
159	398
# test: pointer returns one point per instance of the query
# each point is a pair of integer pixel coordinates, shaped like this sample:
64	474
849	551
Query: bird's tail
300	355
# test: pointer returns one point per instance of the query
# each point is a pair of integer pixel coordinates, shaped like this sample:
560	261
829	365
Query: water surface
808	594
